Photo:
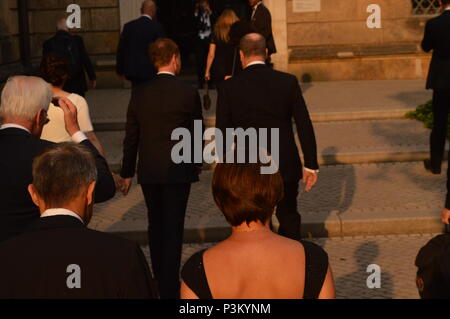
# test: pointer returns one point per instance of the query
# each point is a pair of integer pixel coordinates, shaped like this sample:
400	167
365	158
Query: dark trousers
166	212
441	106
287	213
201	56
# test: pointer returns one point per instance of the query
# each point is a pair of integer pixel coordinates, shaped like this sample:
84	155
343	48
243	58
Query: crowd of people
55	171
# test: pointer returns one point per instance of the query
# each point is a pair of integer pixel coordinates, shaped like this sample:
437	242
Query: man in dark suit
156	110
59	257
71	48
261	20
23	113
263	98
133	61
437	38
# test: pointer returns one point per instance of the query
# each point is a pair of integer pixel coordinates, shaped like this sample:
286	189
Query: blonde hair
224	23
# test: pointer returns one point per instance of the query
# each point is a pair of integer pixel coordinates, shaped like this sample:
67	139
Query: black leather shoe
427	164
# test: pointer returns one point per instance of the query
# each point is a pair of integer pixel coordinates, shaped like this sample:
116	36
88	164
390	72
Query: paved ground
322	97
350	256
348	200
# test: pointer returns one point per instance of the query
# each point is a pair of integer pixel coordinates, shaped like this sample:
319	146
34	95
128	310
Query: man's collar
5	126
165	72
447	9
60	212
147	16
257	5
255	63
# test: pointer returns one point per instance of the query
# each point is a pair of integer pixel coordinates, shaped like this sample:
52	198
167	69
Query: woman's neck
57	91
251	228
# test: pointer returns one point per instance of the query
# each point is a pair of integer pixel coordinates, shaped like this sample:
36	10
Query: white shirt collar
147	16
257	5
60	212
447	9
165	72
5	126
255	63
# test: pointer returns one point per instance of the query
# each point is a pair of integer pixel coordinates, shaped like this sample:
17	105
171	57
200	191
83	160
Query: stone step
347	142
349	200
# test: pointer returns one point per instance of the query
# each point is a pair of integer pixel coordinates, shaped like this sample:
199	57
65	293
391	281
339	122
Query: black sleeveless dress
194	275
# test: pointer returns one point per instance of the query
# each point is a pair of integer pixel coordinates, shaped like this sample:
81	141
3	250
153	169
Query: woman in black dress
222	56
254	262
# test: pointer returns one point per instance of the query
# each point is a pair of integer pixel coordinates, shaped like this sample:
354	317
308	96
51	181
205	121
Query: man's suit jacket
72	48
19	148
35	264
133	59
263	98
156	109
262	22
437	38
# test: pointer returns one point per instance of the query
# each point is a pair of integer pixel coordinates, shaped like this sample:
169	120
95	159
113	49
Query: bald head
253	45
61	24
148	7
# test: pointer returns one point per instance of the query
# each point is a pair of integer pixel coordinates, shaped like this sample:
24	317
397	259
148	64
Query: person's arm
186	292
130	145
210	60
307	137
263	23
86	62
328	291
96	142
120	58
427	42
105	188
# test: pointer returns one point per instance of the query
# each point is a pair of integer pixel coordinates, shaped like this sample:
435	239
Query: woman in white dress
55	71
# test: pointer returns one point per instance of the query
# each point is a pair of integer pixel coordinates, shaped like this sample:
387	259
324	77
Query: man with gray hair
23	114
70	261
262	98
71	47
133	61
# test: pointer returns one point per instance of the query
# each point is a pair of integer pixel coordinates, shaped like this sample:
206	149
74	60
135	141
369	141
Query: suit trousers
441	107
166	204
201	56
287	212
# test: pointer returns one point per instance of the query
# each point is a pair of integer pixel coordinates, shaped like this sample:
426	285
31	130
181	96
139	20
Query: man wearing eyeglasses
23	114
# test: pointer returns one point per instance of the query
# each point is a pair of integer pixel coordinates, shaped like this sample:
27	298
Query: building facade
316	39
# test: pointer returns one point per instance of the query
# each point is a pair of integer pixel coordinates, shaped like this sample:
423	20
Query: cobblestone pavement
350	256
347	193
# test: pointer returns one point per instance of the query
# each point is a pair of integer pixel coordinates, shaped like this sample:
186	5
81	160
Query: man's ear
241	54
90	193
34	195
267	53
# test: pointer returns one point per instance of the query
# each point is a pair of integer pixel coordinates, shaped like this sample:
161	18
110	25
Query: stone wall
100	24
343	22
9	30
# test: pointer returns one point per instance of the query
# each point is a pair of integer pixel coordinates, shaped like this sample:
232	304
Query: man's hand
93	84
445	214
70	116
126	185
309	179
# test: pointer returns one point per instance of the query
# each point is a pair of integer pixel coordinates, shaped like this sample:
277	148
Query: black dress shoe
427	164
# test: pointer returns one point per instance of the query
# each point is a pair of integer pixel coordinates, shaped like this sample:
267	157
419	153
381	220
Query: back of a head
148	7
63	173
54	69
23	97
223	25
244	195
162	51
61	24
253	45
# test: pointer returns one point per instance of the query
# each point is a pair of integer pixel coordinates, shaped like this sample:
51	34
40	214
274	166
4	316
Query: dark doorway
177	18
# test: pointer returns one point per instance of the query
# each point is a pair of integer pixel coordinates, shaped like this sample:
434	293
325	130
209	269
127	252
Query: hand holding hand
70	116
445	214
309	179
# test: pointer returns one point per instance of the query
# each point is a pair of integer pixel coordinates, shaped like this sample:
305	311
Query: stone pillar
279	25
129	10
